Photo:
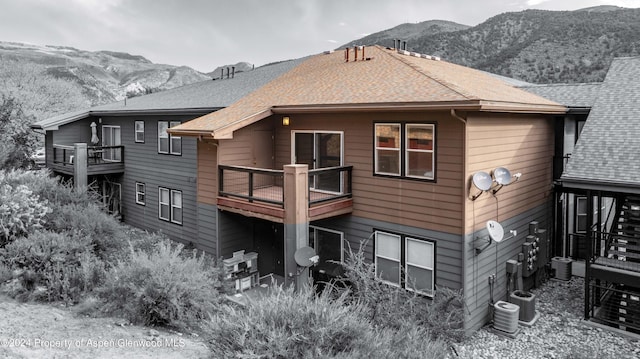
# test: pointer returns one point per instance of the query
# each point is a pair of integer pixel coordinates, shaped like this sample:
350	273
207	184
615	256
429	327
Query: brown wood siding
207	172
430	205
240	150
521	143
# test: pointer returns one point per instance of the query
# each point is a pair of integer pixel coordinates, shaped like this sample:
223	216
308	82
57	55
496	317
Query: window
581	214
405	150
175	147
163	137
405	262
140	192
111	142
163	203
176	206
167	143
387	149
419	151
170	205
139	131
329	246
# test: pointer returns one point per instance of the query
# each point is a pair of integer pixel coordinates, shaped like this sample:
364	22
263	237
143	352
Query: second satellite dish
502	176
496	232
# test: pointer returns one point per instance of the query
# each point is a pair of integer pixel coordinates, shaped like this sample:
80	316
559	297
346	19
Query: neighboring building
146	176
389	142
603	175
569	208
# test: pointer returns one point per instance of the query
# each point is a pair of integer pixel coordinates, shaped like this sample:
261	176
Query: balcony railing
266	185
96	155
100	159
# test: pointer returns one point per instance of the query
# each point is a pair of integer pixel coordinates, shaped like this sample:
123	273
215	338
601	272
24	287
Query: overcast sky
204	34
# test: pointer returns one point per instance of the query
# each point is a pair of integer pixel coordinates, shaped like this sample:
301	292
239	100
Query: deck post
80	165
296	222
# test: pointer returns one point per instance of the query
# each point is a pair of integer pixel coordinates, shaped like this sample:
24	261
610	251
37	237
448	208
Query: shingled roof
607	154
580	95
382	79
199	98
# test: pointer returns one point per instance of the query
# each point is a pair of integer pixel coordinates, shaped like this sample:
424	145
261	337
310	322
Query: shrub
20	212
400	309
107	236
51	266
288	324
163	287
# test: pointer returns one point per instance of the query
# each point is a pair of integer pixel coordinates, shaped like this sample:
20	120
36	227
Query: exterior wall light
285	121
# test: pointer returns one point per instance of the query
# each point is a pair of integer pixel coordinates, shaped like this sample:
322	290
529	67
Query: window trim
143	192
160	204
403	149
172	206
403	238
136	132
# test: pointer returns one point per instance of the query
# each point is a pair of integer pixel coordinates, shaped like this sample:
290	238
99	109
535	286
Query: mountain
533	45
409	32
101	76
221	71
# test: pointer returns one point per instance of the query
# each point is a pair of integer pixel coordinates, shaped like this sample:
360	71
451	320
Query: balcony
100	159
257	192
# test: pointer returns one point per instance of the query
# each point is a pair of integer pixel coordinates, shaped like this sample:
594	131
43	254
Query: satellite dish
482	180
496	232
502	176
305	257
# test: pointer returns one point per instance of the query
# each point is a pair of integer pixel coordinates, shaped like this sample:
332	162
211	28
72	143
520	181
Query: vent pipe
404	45
363	58
346	54
233	71
221	73
355	53
227	72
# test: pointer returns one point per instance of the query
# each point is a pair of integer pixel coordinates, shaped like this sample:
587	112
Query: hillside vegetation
101	76
534	45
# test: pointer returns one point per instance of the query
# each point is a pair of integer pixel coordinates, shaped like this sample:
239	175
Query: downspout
463	219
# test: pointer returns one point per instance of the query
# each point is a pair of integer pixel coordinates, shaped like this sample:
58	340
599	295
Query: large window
139	131
110	140
170	205
168	144
140	193
405	150
405	261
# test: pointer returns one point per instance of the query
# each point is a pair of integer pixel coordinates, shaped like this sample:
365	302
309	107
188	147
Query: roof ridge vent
417	54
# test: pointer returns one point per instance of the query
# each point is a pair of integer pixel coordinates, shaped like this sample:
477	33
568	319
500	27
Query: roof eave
600	184
514	107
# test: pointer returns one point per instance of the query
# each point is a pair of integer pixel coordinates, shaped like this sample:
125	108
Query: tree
27	95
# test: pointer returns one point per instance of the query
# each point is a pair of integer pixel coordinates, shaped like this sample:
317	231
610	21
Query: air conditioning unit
527	303
562	267
505	316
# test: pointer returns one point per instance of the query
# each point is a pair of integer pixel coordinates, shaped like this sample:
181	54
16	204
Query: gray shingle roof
571	95
608	150
208	95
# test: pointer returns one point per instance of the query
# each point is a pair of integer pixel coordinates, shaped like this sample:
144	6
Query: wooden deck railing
266	185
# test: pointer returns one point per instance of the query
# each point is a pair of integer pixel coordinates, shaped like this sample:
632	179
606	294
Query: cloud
332	41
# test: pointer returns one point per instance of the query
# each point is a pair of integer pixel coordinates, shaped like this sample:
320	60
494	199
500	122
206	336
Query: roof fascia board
608	186
226	132
390	106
